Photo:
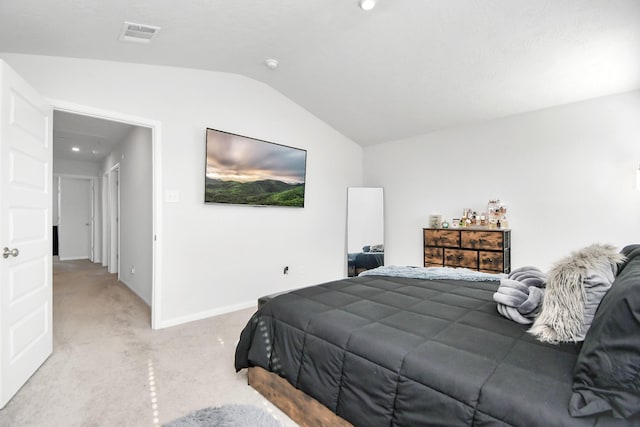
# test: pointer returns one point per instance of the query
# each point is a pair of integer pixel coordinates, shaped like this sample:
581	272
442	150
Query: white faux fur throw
575	286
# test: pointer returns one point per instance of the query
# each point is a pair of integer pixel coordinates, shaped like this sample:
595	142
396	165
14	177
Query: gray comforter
383	351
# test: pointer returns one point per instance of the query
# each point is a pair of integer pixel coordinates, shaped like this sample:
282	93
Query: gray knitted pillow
575	286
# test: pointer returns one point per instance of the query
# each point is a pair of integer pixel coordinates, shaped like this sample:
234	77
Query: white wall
136	207
219	257
565	173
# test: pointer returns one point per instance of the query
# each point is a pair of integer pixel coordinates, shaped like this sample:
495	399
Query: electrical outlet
285	270
133	269
171	196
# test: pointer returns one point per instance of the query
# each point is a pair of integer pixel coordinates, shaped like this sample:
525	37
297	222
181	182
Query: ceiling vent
138	33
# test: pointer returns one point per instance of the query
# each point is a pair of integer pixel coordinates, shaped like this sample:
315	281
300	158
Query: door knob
13	252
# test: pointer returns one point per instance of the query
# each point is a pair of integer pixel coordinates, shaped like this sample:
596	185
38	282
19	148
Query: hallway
109	368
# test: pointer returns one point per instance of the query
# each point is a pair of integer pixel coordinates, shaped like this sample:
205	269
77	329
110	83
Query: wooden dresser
475	248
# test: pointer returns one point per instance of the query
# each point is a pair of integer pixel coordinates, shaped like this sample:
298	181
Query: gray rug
227	416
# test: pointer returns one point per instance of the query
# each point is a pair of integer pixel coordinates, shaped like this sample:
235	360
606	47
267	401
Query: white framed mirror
365	229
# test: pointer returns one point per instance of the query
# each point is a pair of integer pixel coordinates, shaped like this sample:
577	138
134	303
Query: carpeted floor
109	368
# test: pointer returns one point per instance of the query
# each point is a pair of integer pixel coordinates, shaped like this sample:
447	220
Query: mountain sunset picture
248	171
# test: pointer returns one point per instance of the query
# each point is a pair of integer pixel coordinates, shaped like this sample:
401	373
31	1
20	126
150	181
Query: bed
389	351
362	261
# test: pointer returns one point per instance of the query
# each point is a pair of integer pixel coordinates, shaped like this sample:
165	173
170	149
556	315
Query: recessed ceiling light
75	149
367	4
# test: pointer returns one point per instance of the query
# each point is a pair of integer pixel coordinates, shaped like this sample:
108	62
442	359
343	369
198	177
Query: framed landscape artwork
247	171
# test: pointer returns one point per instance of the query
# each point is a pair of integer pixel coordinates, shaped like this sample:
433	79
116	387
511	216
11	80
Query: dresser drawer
434	257
491	240
442	238
461	258
491	261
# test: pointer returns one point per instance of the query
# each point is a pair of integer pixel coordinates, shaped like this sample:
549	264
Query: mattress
381	351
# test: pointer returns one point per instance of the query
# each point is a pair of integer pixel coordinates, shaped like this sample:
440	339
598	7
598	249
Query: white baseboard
208	313
72	258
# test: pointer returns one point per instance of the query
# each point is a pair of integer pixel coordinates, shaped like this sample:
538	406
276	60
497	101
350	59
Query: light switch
171	196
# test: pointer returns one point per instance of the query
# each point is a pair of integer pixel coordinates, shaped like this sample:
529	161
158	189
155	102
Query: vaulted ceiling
405	68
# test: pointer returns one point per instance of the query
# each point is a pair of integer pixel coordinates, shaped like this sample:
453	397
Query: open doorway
123	170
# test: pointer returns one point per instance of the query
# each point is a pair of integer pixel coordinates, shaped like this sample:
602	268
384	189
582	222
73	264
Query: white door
76	212
25	232
114	220
105	221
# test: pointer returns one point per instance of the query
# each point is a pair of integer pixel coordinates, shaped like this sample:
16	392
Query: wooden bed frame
300	407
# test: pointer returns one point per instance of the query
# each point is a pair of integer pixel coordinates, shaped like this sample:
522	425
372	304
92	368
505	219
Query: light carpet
109	368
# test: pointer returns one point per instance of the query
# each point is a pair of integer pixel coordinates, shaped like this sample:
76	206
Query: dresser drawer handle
460	257
489	260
